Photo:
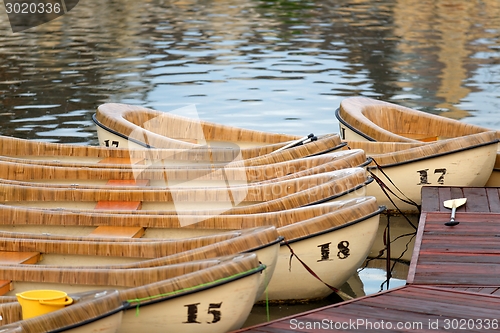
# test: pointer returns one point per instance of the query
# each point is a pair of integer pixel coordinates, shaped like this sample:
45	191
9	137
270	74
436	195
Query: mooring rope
293	254
386	189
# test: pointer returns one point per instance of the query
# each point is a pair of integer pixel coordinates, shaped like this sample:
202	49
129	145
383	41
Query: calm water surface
269	65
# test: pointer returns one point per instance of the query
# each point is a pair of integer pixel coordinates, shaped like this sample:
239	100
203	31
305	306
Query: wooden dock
453	283
465	256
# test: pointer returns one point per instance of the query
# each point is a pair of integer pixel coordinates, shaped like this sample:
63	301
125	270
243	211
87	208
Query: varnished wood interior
26	151
87	306
399	152
142	285
207	176
166	130
385	121
271	196
291	223
152	253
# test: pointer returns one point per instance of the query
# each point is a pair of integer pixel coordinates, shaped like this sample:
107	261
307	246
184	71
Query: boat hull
333	255
470	167
365	119
219	309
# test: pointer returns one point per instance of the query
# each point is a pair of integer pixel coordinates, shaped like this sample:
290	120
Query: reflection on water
272	65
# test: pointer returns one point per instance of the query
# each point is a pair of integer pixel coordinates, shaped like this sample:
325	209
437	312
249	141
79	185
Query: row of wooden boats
199	220
72	215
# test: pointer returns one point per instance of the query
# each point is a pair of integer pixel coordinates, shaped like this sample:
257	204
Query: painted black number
192	310
441	178
325	252
343	250
424	177
215	313
192	313
113	143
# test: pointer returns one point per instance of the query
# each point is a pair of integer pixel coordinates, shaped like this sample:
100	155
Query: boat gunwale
279	239
367	182
349	126
379	211
124	306
123	136
119	308
495	141
213	284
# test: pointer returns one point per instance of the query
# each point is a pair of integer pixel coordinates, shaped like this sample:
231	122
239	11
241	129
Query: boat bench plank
121	160
7	257
118	205
122	232
128	182
5	287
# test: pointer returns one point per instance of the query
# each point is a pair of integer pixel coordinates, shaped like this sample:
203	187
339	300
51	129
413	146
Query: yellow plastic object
38	302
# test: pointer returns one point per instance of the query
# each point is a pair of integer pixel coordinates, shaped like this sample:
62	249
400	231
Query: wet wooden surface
479	199
404	309
453	280
465	256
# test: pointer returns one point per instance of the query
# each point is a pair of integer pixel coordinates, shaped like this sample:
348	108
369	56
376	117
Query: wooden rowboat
124	253
210	176
364	119
26	151
349	226
134	126
94	311
226	287
462	161
270	196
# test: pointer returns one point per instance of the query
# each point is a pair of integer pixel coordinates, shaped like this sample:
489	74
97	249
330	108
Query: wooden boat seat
122	205
118	205
122	232
15	258
128	182
121	160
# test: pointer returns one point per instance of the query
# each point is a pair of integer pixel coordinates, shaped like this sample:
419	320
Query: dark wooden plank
475	289
463	257
363	312
477	200
419	308
457	193
467	254
444	194
493	195
431	292
430	199
416	247
431	276
408	304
